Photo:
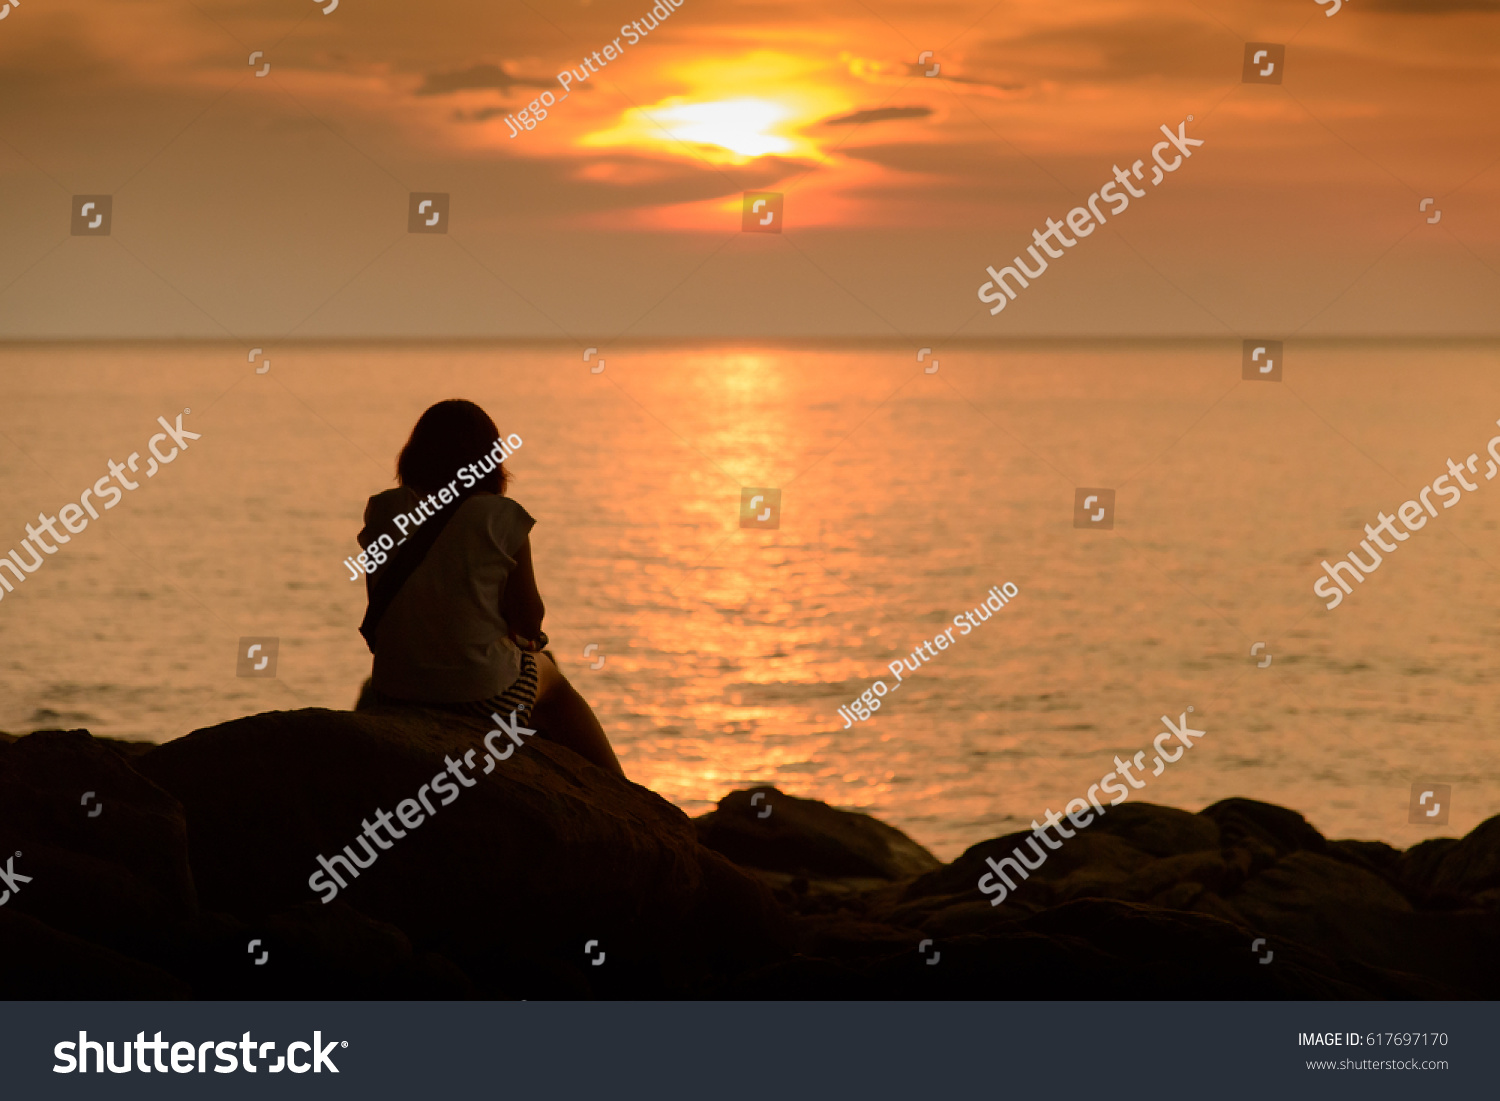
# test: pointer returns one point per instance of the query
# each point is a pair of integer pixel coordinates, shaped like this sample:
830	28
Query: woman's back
443	638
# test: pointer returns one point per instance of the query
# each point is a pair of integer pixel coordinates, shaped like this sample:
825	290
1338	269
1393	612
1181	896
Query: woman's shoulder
396	495
504	509
388	502
380	514
506	520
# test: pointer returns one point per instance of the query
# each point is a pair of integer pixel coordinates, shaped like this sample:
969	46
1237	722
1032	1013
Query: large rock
1258	869
1468	866
1249	823
1084	949
783	833
40	963
1101	860
112	869
313	951
194	882
509	881
1319	901
1157	830
1350	913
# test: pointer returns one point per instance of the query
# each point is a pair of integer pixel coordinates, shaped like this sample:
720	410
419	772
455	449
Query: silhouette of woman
455	618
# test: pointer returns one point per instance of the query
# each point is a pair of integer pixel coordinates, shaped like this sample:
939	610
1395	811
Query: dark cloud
483	114
879	114
552	192
987	83
914	69
973	170
1126	49
477	76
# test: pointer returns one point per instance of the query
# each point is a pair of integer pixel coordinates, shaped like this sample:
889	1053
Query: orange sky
276	207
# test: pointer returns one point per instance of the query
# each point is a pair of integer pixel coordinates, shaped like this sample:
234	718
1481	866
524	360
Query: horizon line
761	341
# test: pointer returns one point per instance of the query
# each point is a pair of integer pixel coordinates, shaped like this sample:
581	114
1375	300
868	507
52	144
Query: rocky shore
187	852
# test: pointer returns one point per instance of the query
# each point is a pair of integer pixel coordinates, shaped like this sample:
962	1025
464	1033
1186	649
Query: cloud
987	83
915	69
1128	49
879	114
483	114
482	75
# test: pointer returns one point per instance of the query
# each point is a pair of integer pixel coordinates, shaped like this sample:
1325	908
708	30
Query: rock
1352	914
509	881
780	832
1182	877
127	821
1257	868
209	842
1085	949
113	870
1419	864
1157	953
1157	830
1308	884
1252	824
313	951
1375	856
1181	896
39	963
1108	852
1467	866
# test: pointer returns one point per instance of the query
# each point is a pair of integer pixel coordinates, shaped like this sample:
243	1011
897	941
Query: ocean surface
905	495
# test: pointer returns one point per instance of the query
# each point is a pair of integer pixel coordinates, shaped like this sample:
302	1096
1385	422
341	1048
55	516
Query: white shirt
442	638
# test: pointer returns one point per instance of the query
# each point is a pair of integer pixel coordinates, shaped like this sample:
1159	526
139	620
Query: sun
725	130
733	109
742	126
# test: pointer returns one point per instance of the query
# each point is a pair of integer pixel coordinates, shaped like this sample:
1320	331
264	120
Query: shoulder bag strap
403	564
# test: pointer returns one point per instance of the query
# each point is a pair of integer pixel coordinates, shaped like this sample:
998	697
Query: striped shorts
520	696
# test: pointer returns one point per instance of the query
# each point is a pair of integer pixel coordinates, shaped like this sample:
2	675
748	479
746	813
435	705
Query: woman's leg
565	717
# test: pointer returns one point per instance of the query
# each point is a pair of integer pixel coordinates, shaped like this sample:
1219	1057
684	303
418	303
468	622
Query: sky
275	207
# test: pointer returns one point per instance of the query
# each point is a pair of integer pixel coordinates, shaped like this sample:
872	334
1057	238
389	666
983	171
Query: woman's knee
549	678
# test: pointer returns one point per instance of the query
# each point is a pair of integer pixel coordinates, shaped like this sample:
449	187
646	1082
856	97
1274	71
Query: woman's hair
451	435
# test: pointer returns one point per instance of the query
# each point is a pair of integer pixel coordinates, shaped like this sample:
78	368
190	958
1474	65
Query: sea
717	647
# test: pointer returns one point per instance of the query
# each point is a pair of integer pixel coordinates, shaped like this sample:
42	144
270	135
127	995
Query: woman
455	619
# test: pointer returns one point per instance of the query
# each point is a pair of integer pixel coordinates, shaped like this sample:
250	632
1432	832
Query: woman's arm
521	603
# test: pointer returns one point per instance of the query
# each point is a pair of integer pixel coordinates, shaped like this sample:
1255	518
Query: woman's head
451	435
